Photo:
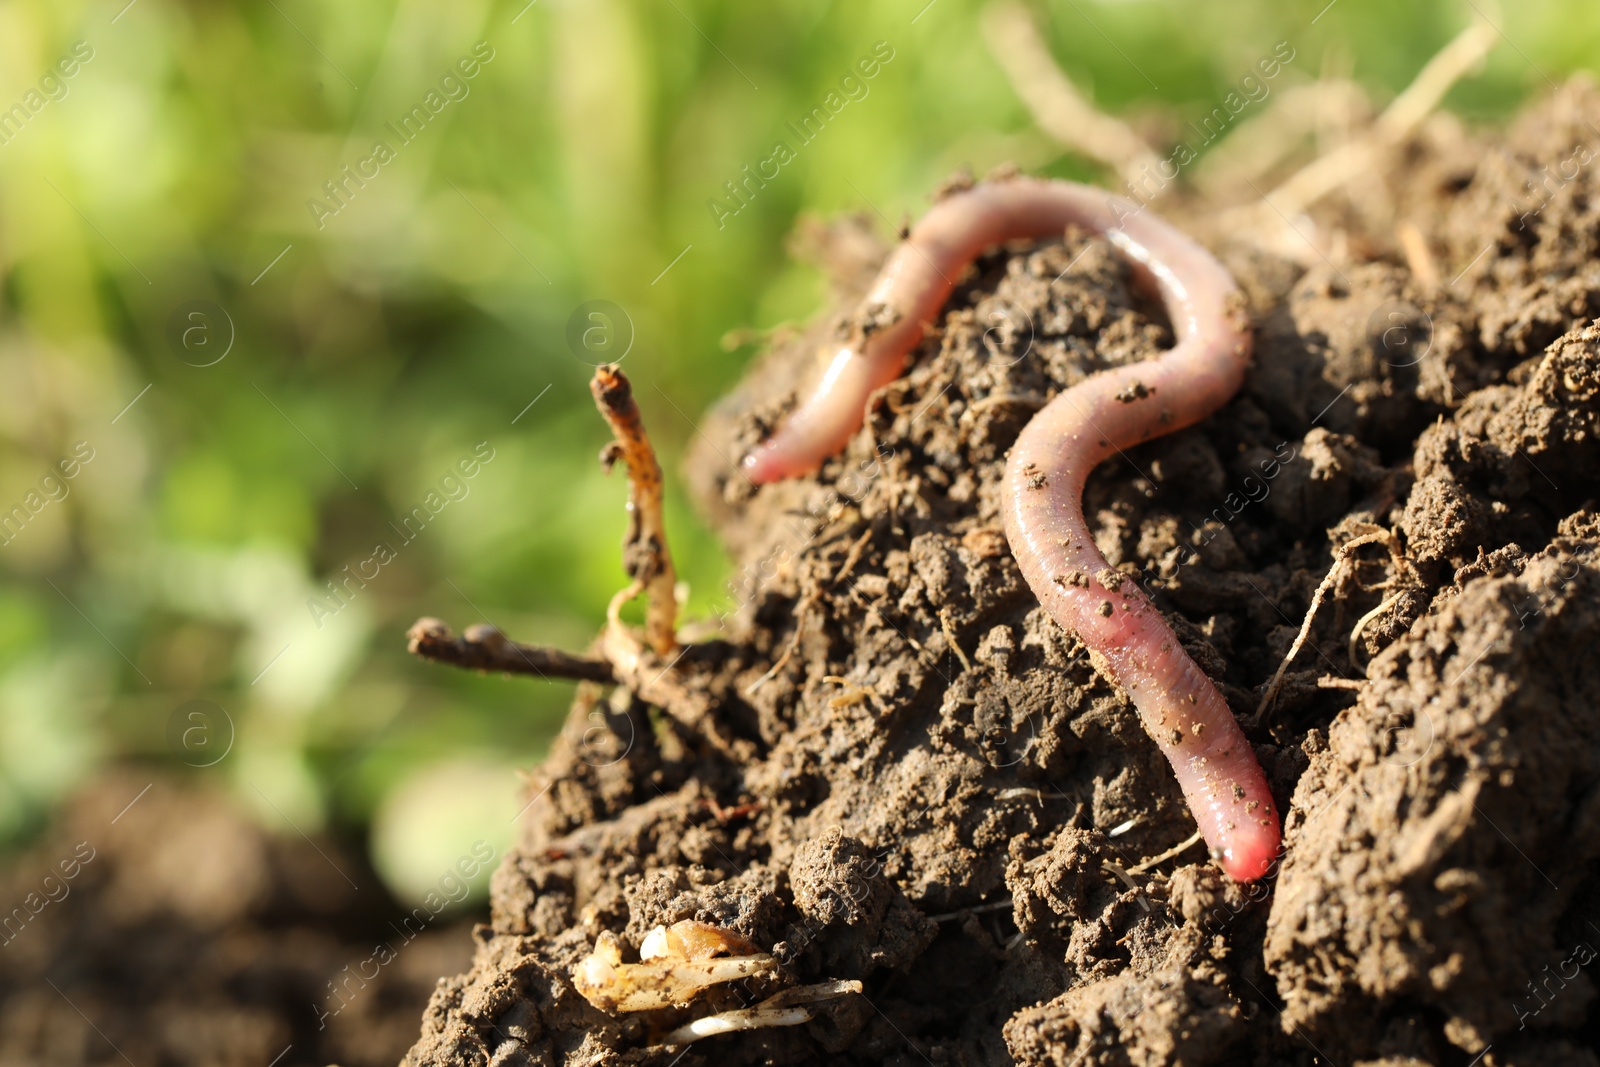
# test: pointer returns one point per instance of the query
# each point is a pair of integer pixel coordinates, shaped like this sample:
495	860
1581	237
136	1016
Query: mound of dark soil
912	777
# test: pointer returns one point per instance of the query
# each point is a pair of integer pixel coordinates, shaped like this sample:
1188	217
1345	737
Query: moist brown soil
893	767
164	928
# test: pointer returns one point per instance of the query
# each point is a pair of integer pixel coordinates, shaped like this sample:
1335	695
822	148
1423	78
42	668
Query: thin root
1175	850
947	624
852	557
800	612
1341	557
1121	872
976	909
656	680
781	1009
1361	623
1397	122
1327	681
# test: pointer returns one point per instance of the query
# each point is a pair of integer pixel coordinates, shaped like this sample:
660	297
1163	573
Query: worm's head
1251	851
821	426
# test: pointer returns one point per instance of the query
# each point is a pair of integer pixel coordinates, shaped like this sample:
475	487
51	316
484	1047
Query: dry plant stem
645	552
1340	558
1057	106
1043	488
640	670
1327	173
852	557
1175	850
1260	143
484	648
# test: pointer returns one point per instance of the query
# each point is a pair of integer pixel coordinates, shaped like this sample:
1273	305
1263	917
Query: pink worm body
1051	460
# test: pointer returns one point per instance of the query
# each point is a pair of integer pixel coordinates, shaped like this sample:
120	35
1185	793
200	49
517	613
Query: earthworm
1128	639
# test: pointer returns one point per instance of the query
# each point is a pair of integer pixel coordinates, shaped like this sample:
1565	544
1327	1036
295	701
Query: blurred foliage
373	349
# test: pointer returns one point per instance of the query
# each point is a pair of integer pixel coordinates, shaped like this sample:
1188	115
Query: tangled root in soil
934	793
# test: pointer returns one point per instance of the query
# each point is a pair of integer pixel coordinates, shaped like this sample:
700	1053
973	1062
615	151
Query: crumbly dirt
917	779
162	927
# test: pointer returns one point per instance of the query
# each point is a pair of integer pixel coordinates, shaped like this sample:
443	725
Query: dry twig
485	648
642	667
947	624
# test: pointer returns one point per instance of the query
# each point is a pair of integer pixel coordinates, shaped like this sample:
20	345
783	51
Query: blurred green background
359	355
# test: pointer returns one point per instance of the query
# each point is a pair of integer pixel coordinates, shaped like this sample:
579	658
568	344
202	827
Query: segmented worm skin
1051	460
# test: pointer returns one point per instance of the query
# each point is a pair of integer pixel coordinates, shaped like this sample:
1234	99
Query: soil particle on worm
930	789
